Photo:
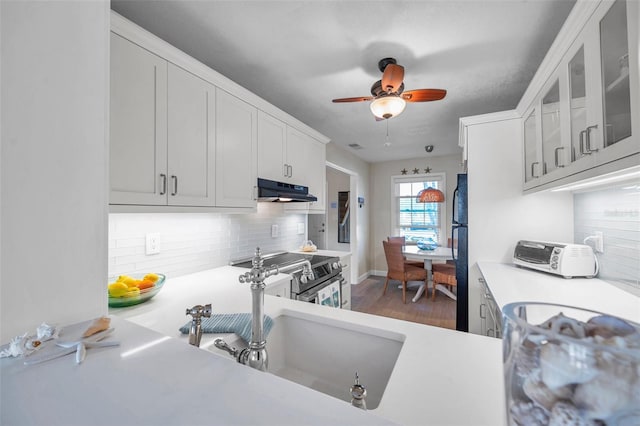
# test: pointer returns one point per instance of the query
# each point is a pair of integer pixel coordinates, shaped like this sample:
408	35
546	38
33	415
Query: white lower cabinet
346	283
282	289
490	314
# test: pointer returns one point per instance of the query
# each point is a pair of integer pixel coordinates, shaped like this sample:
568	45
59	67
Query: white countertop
509	283
441	377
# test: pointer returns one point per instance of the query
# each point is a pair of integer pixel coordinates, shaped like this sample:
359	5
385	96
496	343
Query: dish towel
230	323
330	295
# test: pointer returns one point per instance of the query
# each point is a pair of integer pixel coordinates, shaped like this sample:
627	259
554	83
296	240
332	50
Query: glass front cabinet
586	116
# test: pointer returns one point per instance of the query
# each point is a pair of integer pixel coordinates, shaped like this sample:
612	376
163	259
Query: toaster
564	259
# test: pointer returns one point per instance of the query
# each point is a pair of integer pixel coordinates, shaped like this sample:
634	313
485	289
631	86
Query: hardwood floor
367	297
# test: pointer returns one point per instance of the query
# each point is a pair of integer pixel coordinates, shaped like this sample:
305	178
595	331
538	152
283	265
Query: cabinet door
317	175
191	139
236	151
618	69
551	129
138	126
272	140
299	157
532	166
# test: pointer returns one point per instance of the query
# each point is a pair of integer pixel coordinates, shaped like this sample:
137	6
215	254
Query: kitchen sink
324	355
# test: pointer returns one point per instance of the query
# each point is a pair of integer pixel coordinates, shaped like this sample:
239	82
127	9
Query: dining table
412	252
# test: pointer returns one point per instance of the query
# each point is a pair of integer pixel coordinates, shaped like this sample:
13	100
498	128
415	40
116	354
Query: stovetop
285	258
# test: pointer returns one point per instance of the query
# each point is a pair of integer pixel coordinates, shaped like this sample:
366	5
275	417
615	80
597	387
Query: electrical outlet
599	242
153	243
300	228
274	231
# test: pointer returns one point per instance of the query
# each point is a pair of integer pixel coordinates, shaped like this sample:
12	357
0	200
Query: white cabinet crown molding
154	44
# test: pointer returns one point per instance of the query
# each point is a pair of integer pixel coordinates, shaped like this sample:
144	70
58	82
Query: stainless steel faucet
255	355
195	331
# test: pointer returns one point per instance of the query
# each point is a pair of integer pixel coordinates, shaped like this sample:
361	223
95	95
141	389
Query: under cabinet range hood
270	190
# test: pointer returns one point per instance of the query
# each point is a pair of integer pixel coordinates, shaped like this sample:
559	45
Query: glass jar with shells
570	366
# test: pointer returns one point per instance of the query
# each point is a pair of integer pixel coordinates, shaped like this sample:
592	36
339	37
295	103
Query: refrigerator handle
453	253
453	210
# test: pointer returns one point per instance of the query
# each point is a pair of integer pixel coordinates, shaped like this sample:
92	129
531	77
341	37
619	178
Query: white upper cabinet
191	139
286	154
585	119
272	148
185	137
306	158
138	125
236	151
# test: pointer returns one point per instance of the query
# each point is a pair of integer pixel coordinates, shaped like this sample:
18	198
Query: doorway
342	194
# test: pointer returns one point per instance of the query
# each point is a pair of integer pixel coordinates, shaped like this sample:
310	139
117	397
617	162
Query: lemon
118	289
151	277
132	292
127	280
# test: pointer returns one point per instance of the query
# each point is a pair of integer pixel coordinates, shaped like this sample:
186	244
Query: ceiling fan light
387	106
430	195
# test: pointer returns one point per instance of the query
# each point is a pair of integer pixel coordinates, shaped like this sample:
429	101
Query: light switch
300	228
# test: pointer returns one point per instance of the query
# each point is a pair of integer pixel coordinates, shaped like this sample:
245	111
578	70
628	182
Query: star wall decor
416	171
427	170
403	171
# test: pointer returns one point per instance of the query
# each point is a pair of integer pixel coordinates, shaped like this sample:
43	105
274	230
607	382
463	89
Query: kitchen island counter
441	377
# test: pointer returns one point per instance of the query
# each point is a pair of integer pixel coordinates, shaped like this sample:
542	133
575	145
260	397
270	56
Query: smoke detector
428	148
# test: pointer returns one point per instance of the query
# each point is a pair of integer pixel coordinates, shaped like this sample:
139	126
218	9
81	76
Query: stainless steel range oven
326	274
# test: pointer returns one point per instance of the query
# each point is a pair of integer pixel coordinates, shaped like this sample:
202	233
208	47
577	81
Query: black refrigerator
459	232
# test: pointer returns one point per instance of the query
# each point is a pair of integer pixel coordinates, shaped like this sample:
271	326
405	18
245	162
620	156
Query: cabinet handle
174	178
557	159
582	148
533	167
285	170
588	141
163	187
483	315
290	170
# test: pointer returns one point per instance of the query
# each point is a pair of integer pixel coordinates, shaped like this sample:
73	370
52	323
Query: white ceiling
299	55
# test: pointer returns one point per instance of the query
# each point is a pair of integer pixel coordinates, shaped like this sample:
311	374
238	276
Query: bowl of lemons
129	290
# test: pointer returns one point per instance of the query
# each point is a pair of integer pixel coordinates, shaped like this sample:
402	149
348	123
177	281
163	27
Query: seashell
608	326
566	414
527	357
616	388
565	363
46	332
564	325
528	414
539	393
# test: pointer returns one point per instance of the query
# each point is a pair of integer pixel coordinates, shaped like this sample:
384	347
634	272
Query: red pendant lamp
430	195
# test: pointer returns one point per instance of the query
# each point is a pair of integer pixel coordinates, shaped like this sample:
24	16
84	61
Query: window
415	220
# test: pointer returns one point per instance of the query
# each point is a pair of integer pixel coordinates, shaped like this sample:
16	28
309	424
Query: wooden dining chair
402	242
444	273
397	269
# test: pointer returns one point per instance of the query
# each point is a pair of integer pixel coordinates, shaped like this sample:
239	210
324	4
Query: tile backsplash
192	242
615	211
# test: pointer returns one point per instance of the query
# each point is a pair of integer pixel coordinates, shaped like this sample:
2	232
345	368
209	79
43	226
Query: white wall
347	160
192	242
499	215
381	174
614	211
54	114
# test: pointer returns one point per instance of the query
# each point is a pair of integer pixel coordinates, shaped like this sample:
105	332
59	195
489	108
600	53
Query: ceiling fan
389	97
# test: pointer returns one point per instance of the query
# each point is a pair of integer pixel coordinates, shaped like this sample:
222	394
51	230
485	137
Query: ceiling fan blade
424	95
358	99
392	77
